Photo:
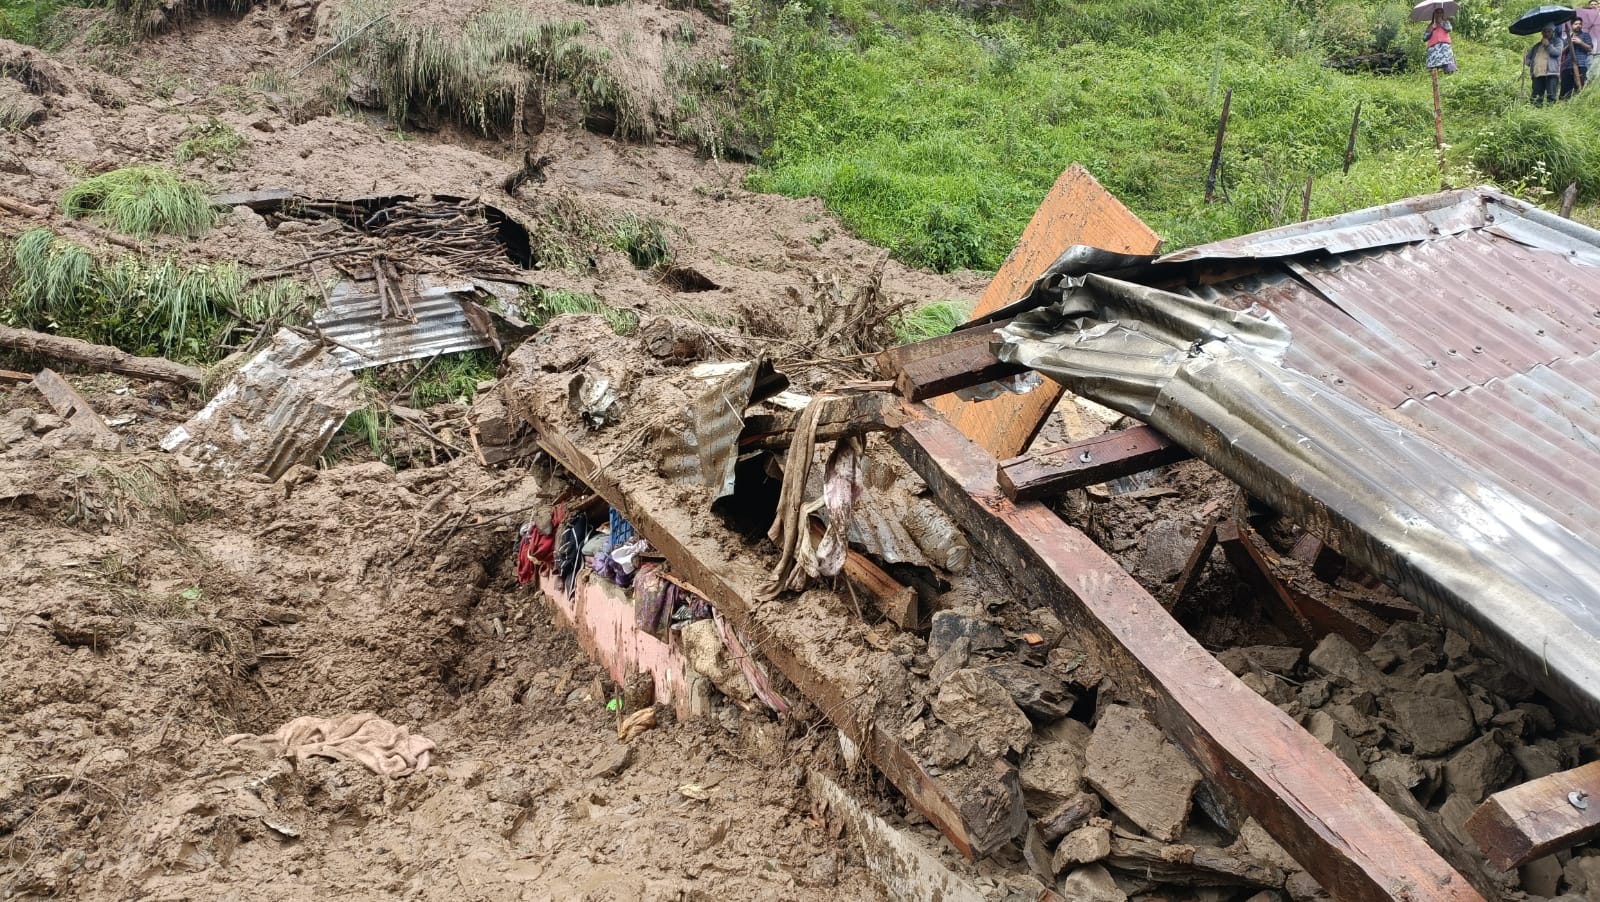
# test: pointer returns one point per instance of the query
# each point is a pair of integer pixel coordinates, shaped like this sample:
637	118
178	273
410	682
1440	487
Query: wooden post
1305	199
1438	124
1350	148
1568	198
1216	151
98	357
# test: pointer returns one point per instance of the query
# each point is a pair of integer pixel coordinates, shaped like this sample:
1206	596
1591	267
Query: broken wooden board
977	808
98	357
896	602
1539	817
1248	750
1089	462
279	410
1315	617
1190	865
75	408
1077	210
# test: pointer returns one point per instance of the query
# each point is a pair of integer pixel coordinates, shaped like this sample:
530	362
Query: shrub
142	201
1550	148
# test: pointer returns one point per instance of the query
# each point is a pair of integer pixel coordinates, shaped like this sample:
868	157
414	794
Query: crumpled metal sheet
704	446
1449	536
279	410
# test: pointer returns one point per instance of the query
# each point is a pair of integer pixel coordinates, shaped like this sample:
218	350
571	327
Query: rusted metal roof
1484	337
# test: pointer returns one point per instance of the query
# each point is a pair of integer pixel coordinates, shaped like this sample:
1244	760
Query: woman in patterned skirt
1437	37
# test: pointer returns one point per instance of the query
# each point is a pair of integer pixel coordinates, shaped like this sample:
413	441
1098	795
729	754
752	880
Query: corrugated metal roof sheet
364	339
1486	337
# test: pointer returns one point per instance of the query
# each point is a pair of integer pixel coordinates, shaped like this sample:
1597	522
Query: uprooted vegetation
142	201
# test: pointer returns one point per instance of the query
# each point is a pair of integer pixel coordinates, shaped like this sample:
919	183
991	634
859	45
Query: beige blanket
377	744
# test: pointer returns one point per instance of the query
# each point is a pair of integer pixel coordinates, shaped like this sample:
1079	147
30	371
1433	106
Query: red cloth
536	553
1437	34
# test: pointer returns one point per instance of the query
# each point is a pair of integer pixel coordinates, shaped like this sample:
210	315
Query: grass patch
540	306
212	140
644	239
493	73
930	321
142	201
194	313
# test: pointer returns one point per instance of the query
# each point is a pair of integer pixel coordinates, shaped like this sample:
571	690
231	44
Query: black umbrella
1534	20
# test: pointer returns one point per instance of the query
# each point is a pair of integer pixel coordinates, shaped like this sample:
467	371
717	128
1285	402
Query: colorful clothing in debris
536	552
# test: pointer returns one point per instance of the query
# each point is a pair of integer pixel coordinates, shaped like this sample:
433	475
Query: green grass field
936	133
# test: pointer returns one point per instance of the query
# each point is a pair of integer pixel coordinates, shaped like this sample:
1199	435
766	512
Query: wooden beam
978	814
945	364
1250	751
1196	565
1539	817
98	357
1089	462
1076	210
894	601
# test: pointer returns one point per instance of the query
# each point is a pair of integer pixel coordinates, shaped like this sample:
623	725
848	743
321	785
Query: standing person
1437	37
1543	61
1575	61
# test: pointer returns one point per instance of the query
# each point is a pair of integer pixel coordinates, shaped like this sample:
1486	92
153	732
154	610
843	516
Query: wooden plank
945	364
1249	751
14	376
1196	565
1077	210
1089	462
976	818
1537	818
98	357
74	407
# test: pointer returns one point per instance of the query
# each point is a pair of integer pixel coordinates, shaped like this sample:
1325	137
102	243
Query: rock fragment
1092	883
1085	845
1135	768
981	710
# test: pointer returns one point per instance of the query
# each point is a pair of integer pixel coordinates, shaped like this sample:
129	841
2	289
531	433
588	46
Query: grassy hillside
935	131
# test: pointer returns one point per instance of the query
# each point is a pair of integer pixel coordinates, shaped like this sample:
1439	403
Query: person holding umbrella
1437	37
1575	62
1543	61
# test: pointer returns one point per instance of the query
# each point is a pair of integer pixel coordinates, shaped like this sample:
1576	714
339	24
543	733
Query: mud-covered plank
800	648
1342	833
73	407
1089	462
1539	817
1306	612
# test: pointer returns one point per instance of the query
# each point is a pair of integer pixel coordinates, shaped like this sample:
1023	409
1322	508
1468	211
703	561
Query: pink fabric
1590	18
1438	35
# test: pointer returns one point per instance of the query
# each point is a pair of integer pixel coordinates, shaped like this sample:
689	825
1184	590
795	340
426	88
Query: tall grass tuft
213	140
644	239
142	201
493	73
142	305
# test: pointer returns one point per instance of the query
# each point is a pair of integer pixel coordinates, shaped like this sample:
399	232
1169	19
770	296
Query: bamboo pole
1438	124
